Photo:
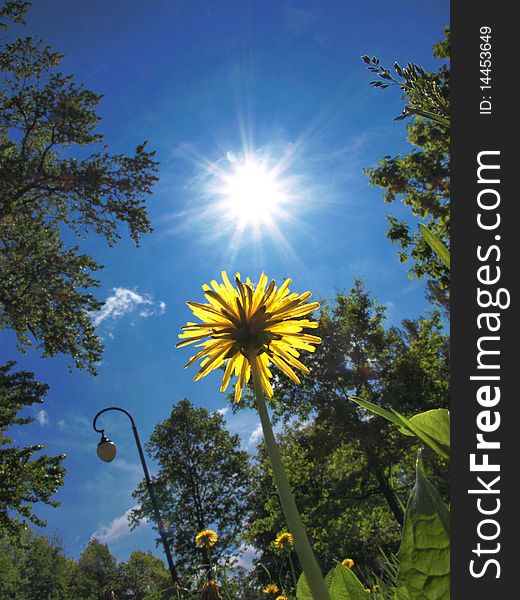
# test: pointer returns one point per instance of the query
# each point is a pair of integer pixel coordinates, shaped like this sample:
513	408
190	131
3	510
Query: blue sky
207	82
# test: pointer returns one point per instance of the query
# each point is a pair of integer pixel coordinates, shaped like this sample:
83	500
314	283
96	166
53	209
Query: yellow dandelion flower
375	589
281	597
368	590
271	588
283	541
348	562
210	591
206	538
262	321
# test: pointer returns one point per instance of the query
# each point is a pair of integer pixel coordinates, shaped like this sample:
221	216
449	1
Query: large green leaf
424	555
303	591
390	416
436	245
433	427
401	594
344	585
341	582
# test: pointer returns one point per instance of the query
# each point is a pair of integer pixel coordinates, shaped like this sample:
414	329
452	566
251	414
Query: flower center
250	339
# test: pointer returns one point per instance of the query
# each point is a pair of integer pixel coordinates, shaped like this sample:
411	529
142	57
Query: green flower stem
292	516
292	572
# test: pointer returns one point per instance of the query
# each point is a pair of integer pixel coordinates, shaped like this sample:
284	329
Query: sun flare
251	197
251	192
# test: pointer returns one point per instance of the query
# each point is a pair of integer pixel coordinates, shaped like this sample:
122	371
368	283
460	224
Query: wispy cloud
116	529
124	301
223	411
134	468
42	417
75	425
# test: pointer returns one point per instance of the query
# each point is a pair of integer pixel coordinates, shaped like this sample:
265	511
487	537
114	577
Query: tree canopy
26	477
35	566
57	178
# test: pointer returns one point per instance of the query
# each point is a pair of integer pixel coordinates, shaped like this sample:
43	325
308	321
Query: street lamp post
106	450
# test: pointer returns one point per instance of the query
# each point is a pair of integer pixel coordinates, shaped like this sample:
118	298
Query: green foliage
25	477
436	245
13	10
96	574
426	97
432	427
143	577
420	179
344	585
341	582
337	498
201	483
57	178
424	555
33	567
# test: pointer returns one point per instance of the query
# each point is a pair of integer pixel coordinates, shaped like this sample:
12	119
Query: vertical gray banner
484	320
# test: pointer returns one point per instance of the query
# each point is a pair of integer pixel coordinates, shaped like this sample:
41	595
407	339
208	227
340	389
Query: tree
201	483
351	470
96	572
421	178
337	494
24	478
143	577
57	178
33	566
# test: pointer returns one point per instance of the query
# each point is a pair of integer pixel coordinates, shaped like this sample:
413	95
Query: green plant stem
292	572
210	566
292	516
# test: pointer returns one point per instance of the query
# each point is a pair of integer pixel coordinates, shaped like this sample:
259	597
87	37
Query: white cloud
42	417
116	529
135	468
124	301
247	554
223	411
256	435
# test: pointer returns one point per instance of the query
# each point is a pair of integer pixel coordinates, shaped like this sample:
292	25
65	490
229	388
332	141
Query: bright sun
251	193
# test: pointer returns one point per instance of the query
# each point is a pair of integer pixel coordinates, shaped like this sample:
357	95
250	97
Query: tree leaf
424	555
436	245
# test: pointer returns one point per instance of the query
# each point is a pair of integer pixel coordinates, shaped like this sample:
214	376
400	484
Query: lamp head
106	449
